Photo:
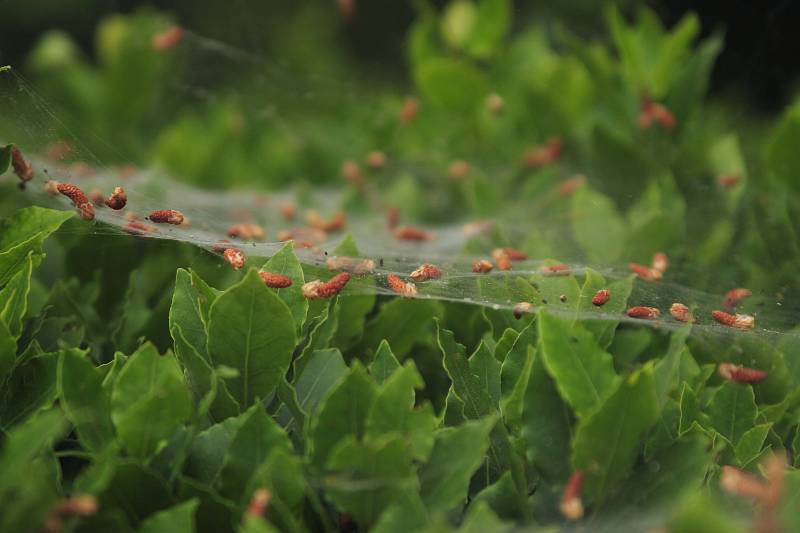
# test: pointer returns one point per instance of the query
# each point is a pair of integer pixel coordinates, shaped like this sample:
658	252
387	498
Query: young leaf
30	387
451	85
444	479
606	443
750	444
191	303
256	438
668	366
732	411
384	363
582	371
177	519
84	400
344	413
24	443
401	323
207	452
251	330
320	335
515	375
14	298
322	371
286	263
149	401
487	369
24	232
492	22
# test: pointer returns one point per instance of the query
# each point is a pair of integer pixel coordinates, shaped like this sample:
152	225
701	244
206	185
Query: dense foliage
173	397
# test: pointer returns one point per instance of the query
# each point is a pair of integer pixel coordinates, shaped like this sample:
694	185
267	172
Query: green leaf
598	227
281	474
699	512
286	263
515	375
606	443
749	446
5	151
30	387
583	372
353	308
546	423
369	476
321	334
451	85
607	315
552	288
690	409
24	232
8	350
84	400
14	298
384	363
393	411
321	373
149	401
444	479
343	414
251	329
177	519
732	411
191	304
666	370
782	157
207	452
492	22
401	323
486	368
256	438
24	443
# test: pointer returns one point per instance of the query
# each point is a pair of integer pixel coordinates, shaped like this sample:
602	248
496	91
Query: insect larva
274	280
79	199
734	296
259	502
681	313
411	233
458	169
247	232
97	197
734	321
740	483
166	216
50	187
571	505
234	257
311	235
288	211
22	168
543	155
409	110
567	187
503	261
511	253
482	267
495	103
643	312
117	200
77	505
555	270
426	272
644	272
741	374
325	289
473	228
135	227
349	264
601	297
376	160
728	180
167	39
403	288
654	112
660	262
336	223
521	308
351	172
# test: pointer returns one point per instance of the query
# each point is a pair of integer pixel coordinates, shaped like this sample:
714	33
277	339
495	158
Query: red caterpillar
410	110
97	197
645	273
410	233
521	308
734	296
234	257
654	112
543	155
247	232
426	272
351	172
555	270
79	199
741	374
406	289
134	227
325	289
259	502
734	321
681	313
167	216
392	217
167	39
348	264
458	169
571	505
728	181
567	187
117	200
495	103
311	235
288	211
502	260
660	262
22	168
740	483
482	267
511	253
376	160
336	223
601	297
274	280
643	312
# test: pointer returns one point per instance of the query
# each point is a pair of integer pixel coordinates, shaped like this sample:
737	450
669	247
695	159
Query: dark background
759	61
